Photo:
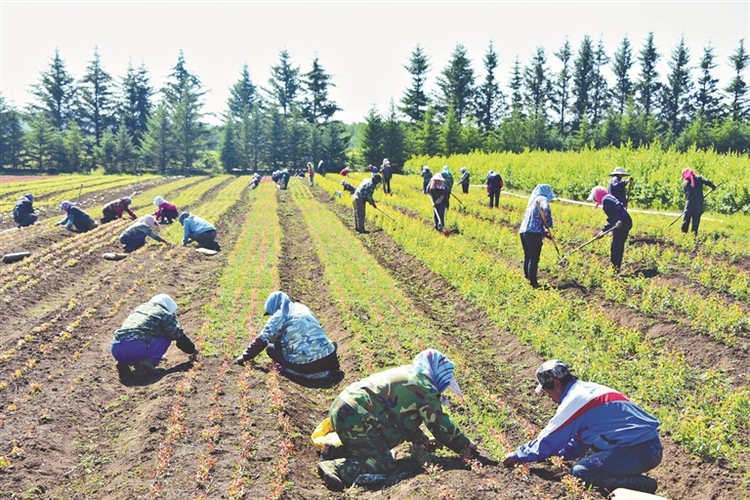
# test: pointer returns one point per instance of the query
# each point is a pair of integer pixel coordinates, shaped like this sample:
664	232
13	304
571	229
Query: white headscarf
165	301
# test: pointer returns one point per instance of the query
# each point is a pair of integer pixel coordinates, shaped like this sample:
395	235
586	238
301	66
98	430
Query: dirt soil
71	427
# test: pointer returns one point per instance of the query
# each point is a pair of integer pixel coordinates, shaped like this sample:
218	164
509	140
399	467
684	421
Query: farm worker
114	209
465	176
618	219
311	173
344	172
380	412
448	178
284	178
294	338
533	229
134	236
494	186
362	195
439	194
23	211
618	185
146	334
426	177
199	230
75	218
623	437
693	187
166	212
348	187
386	171
372	169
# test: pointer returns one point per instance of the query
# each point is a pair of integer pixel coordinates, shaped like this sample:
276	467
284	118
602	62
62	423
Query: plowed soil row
85	433
515	365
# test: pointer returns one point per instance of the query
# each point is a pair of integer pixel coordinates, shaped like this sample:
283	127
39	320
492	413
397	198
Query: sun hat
549	371
618	171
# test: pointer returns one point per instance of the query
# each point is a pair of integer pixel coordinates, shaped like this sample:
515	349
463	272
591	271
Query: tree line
129	125
574	108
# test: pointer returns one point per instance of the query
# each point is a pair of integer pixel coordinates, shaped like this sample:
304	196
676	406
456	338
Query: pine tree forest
594	100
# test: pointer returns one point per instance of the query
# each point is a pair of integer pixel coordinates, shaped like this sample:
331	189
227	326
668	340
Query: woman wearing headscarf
75	219
534	227
294	338
146	334
465	176
115	208
380	412
618	220
23	211
134	236
494	186
692	185
166	212
439	195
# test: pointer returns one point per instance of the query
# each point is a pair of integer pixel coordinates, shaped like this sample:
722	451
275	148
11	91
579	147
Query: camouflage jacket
151	320
365	191
397	402
300	334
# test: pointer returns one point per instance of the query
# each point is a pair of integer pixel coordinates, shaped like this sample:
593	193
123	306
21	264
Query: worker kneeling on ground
166	212
23	211
624	438
294	338
384	410
115	208
198	230
146	334
75	219
134	236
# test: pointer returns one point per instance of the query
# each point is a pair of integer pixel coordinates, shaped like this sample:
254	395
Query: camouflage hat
549	371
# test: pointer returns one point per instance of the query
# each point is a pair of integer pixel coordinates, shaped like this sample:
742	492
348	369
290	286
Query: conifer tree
55	94
97	103
583	82
373	137
158	143
707	99
285	84
415	100
737	89
648	85
456	84
623	88
488	96
317	108
561	88
135	102
242	95
677	95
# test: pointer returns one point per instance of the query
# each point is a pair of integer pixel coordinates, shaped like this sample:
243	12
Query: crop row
698	407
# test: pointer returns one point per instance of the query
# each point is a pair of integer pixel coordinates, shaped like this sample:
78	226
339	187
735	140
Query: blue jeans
620	467
134	351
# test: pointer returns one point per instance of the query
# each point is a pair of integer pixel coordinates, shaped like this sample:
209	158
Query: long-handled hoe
598	236
379	210
683	212
549	229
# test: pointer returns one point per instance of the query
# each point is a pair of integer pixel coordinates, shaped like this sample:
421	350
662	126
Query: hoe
549	229
598	236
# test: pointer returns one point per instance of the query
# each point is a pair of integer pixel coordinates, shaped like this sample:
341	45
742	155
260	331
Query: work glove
600	234
618	225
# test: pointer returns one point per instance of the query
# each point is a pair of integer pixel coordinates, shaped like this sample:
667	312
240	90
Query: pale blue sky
364	45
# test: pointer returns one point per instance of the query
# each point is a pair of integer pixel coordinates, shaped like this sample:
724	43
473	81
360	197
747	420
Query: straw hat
619	171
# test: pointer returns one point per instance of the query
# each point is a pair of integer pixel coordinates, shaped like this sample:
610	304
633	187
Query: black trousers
109	216
386	185
330	362
617	249
465	187
532	251
494	195
692	215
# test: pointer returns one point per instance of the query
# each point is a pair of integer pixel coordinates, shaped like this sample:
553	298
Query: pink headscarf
597	194
688	174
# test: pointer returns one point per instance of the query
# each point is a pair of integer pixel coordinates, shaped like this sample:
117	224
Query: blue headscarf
438	368
542	190
446	170
277	301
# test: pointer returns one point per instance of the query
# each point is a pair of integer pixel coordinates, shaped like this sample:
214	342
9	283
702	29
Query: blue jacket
618	189
299	332
616	211
195	225
532	219
593	416
78	218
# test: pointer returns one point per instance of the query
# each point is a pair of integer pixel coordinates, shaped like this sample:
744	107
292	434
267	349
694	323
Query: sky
365	46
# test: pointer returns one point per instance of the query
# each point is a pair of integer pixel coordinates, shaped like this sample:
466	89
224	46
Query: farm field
671	332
